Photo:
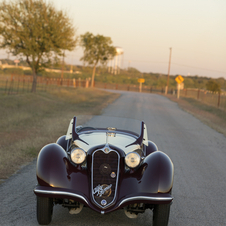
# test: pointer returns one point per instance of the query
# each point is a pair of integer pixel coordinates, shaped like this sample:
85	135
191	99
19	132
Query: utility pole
166	91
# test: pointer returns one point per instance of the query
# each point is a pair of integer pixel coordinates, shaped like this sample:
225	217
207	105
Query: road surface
197	151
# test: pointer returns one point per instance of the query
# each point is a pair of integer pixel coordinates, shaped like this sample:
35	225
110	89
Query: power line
146	61
182	65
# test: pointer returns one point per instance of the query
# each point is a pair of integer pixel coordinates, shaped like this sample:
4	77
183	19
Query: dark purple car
104	168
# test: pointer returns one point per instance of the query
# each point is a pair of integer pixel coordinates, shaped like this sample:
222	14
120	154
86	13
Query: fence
213	99
15	84
132	88
210	98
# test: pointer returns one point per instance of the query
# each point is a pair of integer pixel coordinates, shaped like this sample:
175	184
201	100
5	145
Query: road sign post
141	80
178	90
16	62
179	79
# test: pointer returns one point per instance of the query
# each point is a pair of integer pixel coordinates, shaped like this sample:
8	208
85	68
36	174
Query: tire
44	210
161	215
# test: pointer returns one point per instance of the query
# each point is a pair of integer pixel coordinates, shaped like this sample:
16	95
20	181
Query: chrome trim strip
116	185
146	198
60	193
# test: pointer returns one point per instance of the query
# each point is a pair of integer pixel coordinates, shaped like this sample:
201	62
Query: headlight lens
132	159
78	156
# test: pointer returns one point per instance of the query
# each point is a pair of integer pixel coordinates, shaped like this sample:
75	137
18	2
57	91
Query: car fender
159	170
62	142
152	147
50	167
154	175
54	169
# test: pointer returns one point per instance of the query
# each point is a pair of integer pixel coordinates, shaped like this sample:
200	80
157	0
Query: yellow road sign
141	80
179	79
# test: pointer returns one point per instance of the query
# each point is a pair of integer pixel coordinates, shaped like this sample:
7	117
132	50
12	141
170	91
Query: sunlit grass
29	121
212	116
214	110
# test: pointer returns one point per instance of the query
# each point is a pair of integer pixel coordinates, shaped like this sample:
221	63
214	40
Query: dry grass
212	116
29	121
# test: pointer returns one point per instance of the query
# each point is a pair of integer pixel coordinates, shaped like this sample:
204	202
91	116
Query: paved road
198	153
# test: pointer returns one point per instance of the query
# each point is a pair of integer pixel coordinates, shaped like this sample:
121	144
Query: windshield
114	122
103	121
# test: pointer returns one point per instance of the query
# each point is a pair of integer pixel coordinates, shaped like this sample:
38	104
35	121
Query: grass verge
212	116
30	121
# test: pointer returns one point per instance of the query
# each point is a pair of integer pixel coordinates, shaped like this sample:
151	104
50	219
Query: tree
36	31
213	86
97	49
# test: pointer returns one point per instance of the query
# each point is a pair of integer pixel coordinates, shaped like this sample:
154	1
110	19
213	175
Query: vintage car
105	168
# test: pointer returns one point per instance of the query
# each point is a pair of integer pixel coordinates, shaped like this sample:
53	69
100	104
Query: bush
213	86
17	71
27	72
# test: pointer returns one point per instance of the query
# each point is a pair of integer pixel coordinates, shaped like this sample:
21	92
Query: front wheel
161	215
44	210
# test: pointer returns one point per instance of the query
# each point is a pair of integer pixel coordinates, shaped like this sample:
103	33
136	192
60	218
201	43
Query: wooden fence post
23	83
18	85
6	85
47	83
198	94
74	83
11	85
87	83
219	99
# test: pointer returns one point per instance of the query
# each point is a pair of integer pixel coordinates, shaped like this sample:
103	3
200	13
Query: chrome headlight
132	159
78	155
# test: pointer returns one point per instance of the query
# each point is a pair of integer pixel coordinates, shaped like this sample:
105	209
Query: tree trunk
34	83
93	76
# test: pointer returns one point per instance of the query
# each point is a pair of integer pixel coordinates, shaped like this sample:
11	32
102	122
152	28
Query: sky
146	30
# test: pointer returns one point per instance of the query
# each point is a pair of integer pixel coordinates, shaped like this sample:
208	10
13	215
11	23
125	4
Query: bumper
150	198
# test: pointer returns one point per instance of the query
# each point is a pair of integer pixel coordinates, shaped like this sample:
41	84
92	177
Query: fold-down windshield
111	124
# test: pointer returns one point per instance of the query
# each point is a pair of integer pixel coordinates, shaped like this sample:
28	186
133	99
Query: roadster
105	168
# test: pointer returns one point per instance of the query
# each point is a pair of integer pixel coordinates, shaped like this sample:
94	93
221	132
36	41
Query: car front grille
105	167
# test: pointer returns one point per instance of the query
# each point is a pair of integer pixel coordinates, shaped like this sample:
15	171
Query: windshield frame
74	131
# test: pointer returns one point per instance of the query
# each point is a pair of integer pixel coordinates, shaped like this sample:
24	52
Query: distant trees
213	86
37	31
97	49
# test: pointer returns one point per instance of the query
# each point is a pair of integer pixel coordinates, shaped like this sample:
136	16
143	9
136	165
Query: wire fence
132	88
210	98
16	84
